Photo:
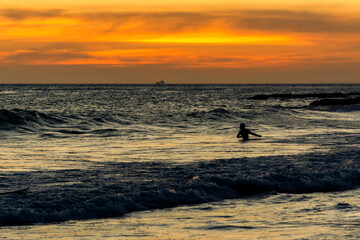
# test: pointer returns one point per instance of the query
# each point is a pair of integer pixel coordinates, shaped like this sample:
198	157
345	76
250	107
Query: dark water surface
102	151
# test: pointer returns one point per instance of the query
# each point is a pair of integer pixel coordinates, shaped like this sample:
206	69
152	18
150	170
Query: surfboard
16	191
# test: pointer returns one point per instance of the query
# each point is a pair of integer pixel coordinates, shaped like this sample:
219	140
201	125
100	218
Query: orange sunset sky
198	41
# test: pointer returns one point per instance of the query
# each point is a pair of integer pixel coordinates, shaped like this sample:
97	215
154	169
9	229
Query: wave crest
84	194
10	119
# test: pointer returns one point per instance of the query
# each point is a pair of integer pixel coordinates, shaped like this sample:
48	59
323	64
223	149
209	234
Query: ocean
164	162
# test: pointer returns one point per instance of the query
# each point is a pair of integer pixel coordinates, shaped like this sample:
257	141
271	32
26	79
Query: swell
303	95
10	119
103	124
334	102
323	99
58	124
215	114
114	189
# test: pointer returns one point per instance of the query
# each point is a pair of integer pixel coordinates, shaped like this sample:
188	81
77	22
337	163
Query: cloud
171	22
217	39
263	20
30	57
161	22
23	14
294	21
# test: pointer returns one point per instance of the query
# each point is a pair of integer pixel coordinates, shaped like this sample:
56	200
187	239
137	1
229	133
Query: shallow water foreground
333	215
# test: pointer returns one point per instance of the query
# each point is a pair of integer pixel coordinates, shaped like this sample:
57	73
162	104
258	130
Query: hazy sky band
275	38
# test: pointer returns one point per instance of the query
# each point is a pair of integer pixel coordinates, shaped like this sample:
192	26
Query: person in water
244	133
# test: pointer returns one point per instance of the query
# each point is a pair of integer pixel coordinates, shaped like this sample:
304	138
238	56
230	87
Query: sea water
163	162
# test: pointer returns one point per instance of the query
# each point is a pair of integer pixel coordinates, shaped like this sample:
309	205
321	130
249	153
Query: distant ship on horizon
160	83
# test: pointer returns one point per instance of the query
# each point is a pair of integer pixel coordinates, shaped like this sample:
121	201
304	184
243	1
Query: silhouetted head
242	125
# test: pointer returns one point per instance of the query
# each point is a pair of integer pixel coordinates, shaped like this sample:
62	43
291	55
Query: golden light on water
268	218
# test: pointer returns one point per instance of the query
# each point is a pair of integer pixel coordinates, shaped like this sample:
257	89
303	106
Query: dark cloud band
237	20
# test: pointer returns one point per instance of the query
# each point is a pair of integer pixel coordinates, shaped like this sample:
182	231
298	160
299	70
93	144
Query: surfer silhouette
244	133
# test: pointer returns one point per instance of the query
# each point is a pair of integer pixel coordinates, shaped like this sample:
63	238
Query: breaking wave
114	189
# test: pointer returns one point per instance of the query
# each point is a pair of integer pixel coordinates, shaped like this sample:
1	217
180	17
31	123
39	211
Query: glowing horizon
275	37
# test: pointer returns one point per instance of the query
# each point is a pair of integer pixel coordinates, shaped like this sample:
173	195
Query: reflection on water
34	154
102	151
282	216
